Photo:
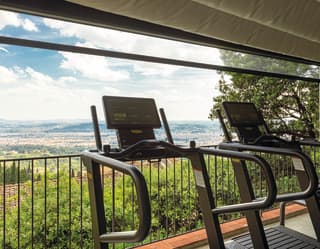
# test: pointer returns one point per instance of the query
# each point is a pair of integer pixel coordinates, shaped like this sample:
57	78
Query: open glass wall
45	96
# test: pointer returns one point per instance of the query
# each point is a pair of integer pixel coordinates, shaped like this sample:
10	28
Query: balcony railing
44	201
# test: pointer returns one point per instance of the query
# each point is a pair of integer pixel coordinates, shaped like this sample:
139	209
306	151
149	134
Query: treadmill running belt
281	237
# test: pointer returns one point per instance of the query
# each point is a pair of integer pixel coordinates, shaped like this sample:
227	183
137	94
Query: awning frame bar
144	58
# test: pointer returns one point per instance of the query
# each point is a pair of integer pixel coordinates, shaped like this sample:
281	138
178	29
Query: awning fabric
289	27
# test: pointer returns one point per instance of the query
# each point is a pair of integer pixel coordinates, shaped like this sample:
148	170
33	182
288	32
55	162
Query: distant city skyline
40	84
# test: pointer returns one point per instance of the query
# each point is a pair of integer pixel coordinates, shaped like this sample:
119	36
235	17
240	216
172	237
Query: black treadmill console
129	112
242	114
133	118
245	118
250	125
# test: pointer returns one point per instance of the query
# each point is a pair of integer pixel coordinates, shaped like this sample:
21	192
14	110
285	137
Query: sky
37	84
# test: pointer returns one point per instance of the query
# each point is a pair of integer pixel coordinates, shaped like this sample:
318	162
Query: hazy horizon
79	135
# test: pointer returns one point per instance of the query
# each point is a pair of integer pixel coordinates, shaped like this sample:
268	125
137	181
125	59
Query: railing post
96	202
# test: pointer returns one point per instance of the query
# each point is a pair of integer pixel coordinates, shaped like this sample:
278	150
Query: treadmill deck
278	238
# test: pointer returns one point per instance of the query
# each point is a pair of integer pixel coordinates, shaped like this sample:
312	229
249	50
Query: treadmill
135	120
254	136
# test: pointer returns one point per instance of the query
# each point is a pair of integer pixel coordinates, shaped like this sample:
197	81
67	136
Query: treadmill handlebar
144	209
255	204
311	142
150	143
306	163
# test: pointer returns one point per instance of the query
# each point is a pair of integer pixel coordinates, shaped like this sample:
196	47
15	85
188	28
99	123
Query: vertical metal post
19	196
32	204
45	202
206	201
255	226
282	213
96	202
174	197
96	129
4	205
81	205
70	203
158	199
166	125
223	126
167	200
58	199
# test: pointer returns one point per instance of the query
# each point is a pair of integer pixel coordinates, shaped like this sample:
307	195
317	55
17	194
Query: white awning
289	27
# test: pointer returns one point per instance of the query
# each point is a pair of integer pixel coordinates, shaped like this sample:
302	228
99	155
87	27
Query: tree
13	173
289	106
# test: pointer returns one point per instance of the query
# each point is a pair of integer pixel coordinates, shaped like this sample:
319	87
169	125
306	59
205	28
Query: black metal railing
44	201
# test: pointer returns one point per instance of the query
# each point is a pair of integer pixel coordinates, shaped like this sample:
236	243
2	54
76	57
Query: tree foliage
288	106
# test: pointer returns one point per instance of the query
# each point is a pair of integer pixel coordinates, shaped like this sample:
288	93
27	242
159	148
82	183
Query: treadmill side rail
309	169
206	198
93	161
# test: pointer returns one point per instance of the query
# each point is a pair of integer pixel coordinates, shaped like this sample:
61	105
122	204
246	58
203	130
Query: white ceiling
288	27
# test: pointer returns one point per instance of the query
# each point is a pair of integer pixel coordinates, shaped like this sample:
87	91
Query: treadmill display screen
125	112
242	114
